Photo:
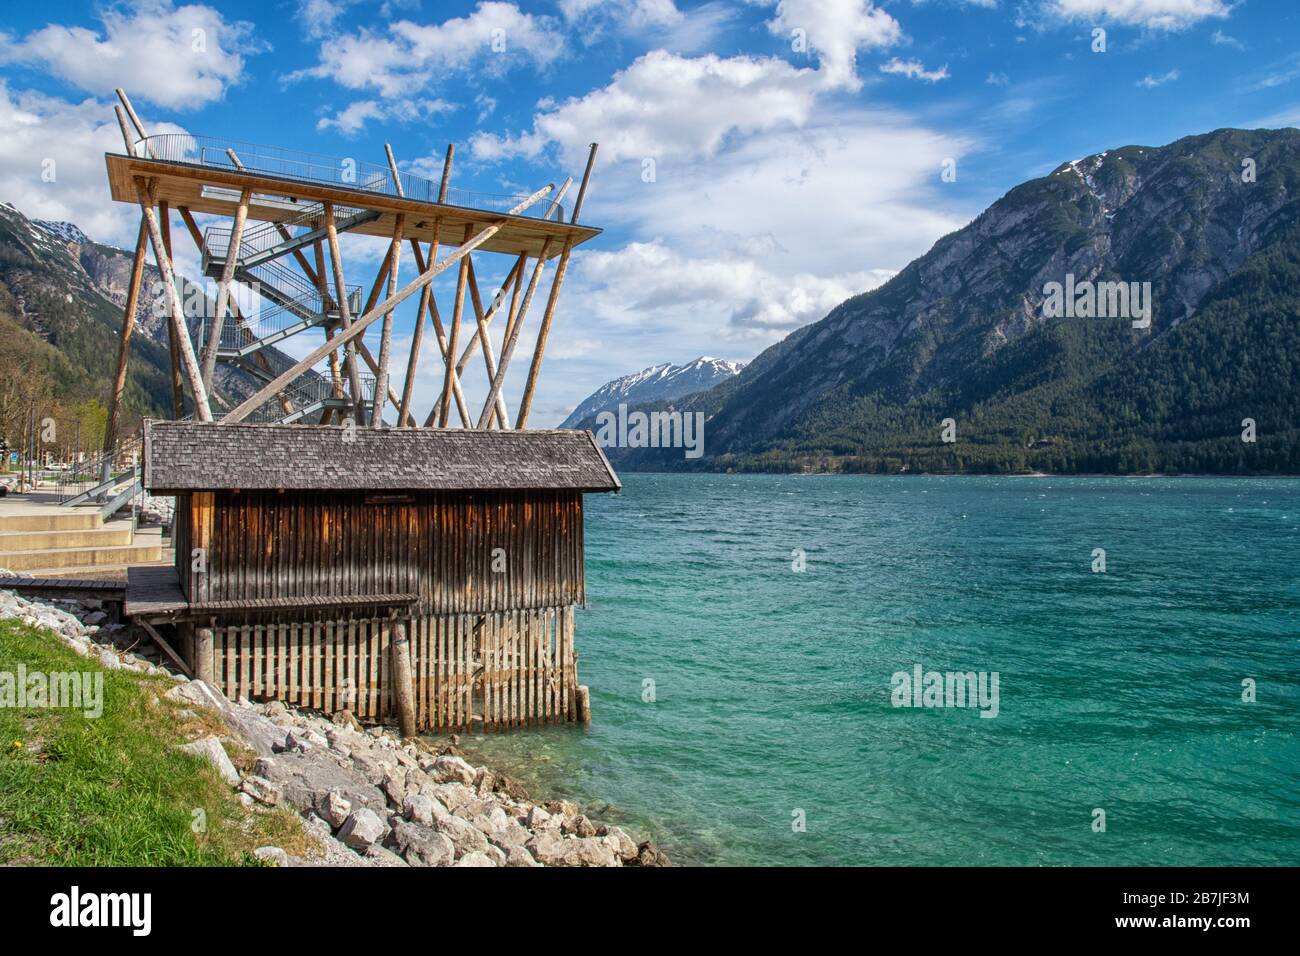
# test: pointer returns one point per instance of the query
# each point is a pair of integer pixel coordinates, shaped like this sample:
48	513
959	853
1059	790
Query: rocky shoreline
366	797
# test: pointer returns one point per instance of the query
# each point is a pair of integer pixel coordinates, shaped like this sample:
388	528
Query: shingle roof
194	456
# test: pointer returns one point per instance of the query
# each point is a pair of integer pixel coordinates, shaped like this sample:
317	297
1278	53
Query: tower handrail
295	164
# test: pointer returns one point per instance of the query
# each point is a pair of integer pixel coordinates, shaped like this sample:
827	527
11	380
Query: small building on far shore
424	575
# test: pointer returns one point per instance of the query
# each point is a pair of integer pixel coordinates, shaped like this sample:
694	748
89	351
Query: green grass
113	790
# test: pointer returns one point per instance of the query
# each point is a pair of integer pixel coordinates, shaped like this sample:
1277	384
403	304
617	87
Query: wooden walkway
153	591
64	587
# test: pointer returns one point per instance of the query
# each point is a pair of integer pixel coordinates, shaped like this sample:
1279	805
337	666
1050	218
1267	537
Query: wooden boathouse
424	575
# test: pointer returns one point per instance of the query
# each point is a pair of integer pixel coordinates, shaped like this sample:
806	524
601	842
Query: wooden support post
386	335
417	337
514	300
458	309
586	178
508	347
191	362
240	412
403	681
124	350
392	167
446	172
173	344
223	291
530	387
262	362
341	298
135	121
584	704
489	361
171	652
441	335
515	275
204	665
317	277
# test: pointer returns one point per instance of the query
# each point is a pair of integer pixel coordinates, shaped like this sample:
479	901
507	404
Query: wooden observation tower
287	212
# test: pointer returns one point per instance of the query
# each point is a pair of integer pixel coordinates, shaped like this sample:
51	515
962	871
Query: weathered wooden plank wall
486	671
461	552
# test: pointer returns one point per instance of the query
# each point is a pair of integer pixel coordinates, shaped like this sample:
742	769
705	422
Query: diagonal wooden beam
173	345
514	301
223	291
514	275
440	335
135	121
417	337
508	347
489	360
586	178
124	347
190	361
458	309
240	412
530	387
196	236
341	298
386	335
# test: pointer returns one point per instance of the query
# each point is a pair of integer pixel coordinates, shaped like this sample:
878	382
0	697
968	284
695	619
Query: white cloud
997	79
409	56
637	14
836	30
318	17
178	57
1152	14
1150	82
738	251
733	297
40	130
668	107
874	173
353	118
914	70
1219	38
656	23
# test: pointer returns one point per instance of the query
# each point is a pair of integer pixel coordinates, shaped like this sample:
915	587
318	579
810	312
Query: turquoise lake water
1119	690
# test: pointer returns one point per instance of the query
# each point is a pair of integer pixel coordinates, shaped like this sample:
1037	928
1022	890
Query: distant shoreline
952	474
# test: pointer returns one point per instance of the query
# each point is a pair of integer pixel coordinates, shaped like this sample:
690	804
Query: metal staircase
295	305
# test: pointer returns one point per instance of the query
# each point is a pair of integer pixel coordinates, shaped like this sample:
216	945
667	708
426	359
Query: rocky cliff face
70	291
1179	217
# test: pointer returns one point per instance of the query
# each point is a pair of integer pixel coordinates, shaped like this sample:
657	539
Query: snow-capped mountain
657	383
66	231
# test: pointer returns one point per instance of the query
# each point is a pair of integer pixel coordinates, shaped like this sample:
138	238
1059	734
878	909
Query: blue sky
797	147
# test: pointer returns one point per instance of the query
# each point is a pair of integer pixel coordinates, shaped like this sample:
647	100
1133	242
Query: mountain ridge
960	333
658	382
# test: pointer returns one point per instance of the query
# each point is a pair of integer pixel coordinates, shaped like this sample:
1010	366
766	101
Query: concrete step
82	557
46	519
107	536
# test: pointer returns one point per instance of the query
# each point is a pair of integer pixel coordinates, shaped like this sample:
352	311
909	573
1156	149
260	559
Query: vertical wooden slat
455	671
363	671
258	663
317	695
292	639
372	678
245	662
282	661
226	650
